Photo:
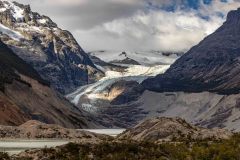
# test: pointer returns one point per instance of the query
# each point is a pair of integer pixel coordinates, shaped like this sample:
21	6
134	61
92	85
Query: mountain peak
233	15
53	52
212	65
19	13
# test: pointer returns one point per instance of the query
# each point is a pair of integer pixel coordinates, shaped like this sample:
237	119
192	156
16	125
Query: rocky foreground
157	138
171	129
38	130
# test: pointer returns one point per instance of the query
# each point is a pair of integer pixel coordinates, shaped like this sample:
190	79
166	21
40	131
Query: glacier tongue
97	92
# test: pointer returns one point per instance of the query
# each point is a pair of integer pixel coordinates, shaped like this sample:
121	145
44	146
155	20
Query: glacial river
17	146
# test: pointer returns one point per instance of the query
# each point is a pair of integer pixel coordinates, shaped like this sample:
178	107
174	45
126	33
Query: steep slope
53	52
203	109
170	129
9	62
212	65
202	86
24	95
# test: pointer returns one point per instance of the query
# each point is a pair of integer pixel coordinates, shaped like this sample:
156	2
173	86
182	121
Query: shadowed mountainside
25	95
212	65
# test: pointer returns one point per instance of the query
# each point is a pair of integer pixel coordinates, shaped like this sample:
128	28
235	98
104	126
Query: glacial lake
17	146
110	132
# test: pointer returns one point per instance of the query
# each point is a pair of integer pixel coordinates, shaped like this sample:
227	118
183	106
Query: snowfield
144	58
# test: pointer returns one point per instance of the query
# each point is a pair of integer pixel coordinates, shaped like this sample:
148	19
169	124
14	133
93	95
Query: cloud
165	25
85	14
155	30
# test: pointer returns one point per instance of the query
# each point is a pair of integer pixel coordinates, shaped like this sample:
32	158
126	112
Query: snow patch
43	21
148	58
12	34
16	11
3	9
100	68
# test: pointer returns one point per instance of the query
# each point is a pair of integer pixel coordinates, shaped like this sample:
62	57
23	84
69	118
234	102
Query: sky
136	25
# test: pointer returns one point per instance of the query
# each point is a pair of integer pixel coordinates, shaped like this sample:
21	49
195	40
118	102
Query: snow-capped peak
17	12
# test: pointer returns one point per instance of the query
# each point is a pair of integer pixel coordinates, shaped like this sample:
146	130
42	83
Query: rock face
170	129
24	95
212	65
38	130
125	91
126	60
53	52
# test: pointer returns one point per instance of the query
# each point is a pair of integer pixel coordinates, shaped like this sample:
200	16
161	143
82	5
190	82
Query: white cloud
156	30
127	25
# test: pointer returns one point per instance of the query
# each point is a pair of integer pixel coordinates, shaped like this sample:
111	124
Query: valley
97	98
174	95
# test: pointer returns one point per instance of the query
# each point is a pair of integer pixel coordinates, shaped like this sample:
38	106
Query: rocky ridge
37	130
158	138
53	52
171	129
24	96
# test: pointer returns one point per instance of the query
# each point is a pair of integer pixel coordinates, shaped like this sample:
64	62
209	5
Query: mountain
201	87
212	65
124	71
53	52
24	96
169	129
145	58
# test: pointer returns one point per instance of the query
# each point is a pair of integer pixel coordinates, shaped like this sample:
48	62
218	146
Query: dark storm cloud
84	14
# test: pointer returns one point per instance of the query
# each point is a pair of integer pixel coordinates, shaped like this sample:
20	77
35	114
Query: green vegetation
129	150
132	150
4	156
